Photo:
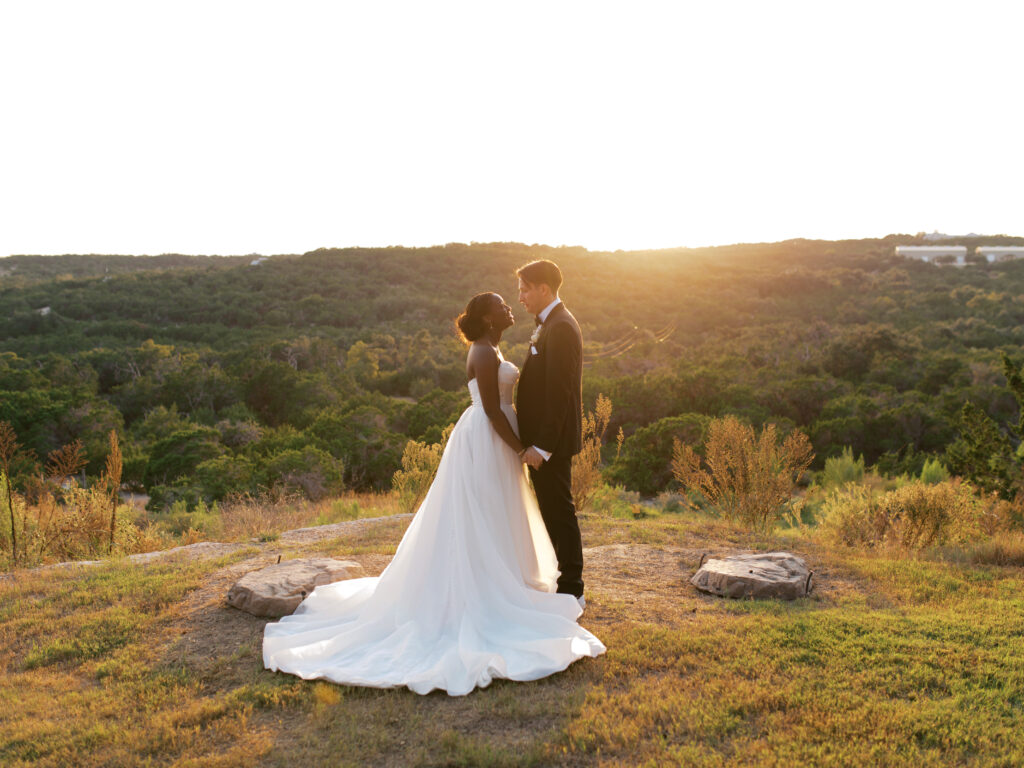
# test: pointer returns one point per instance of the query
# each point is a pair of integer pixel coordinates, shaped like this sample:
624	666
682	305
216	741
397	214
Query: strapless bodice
508	375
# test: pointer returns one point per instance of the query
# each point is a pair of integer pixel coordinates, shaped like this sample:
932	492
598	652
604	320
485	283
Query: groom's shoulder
564	324
565	316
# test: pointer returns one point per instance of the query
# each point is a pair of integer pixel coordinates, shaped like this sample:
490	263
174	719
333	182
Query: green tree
644	462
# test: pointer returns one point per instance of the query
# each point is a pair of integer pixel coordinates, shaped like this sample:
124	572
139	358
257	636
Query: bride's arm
483	362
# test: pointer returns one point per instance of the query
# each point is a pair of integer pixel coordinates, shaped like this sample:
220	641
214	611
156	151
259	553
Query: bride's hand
532	457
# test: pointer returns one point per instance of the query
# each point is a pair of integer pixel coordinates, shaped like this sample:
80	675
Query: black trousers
553	484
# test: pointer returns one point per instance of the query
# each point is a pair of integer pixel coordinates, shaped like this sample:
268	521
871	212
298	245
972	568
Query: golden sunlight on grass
891	660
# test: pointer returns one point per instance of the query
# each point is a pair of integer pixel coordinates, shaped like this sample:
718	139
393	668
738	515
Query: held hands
532	457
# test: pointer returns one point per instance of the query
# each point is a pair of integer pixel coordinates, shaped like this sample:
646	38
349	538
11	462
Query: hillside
223	377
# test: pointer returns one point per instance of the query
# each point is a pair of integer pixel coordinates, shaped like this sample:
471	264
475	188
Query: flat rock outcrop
278	589
769	574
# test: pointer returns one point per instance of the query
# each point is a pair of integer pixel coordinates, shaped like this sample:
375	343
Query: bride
470	593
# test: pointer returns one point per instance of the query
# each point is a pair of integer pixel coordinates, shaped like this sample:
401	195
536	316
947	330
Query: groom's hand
532	457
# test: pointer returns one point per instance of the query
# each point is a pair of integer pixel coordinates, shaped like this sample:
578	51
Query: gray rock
769	574
278	589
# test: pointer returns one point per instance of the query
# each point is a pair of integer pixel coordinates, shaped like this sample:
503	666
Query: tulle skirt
468	597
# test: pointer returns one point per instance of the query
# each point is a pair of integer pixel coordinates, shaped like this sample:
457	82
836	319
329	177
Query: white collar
547	310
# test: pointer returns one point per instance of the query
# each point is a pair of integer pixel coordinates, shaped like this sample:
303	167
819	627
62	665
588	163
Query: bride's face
500	314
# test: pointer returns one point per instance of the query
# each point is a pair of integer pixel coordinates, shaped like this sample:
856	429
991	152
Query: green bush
311	471
842	469
180	518
164	497
419	464
643	464
225	475
177	455
933	472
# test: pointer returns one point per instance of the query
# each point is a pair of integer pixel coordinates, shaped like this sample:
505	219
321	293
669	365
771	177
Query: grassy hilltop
250	400
891	661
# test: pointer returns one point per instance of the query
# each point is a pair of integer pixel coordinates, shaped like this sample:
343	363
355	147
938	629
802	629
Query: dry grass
265	518
891	661
912	517
1005	548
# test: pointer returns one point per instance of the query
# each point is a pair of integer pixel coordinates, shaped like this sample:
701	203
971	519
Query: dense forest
313	371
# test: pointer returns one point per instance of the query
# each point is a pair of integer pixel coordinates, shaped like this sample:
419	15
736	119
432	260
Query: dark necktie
538	321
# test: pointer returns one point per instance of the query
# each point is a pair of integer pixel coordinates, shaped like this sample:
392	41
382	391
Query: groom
549	409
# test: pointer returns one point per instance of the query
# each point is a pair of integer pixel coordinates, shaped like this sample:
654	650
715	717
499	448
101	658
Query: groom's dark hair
542	271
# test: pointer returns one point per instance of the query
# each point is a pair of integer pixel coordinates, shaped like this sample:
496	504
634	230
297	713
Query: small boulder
769	574
278	589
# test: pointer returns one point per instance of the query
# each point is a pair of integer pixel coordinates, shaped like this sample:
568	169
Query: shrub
419	464
163	497
644	461
312	471
933	472
177	455
361	439
224	475
842	469
749	476
197	523
914	516
586	465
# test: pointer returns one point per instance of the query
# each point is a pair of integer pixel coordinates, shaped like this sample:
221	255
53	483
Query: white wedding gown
469	595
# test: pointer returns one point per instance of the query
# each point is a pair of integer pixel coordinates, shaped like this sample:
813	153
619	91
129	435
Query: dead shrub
912	517
748	476
586	465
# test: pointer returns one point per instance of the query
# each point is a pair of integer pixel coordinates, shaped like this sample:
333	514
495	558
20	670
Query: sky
223	127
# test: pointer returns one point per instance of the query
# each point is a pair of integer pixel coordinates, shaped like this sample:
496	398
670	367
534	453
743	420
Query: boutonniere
533	339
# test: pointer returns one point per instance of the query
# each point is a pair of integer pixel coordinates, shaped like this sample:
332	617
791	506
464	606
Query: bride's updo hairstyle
470	325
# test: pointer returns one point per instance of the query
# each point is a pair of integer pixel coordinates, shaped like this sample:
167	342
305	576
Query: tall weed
749	476
586	465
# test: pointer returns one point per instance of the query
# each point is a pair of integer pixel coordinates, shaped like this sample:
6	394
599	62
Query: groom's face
534	296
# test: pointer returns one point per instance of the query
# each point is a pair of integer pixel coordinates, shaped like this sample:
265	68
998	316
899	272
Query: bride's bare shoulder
481	358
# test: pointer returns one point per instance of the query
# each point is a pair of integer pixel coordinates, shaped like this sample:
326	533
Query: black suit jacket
549	401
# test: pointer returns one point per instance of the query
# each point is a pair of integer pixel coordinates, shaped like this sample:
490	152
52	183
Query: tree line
311	372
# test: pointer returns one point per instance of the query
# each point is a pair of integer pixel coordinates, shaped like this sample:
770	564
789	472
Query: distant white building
1000	252
931	237
930	253
257	262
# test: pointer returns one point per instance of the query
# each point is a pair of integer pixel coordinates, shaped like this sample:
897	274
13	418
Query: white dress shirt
547	310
